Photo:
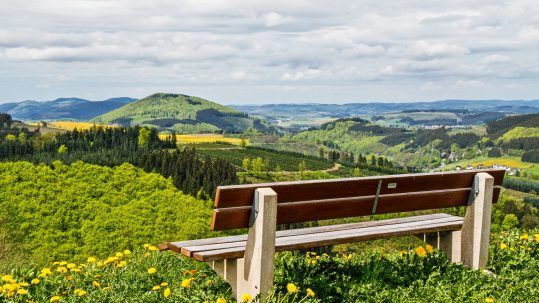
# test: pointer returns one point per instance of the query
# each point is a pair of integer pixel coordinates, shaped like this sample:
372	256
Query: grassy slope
414	275
520	132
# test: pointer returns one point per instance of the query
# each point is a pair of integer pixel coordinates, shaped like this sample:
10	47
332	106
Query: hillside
62	108
183	114
418	274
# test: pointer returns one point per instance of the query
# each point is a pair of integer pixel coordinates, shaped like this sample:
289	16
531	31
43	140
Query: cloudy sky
270	51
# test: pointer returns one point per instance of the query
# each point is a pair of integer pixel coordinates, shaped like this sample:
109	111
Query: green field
286	162
510	161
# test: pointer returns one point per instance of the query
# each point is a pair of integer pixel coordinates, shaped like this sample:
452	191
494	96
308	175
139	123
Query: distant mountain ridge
62	108
183	114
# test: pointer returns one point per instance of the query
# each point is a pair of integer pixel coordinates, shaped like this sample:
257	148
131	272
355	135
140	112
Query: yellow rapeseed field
203	138
70	125
507	161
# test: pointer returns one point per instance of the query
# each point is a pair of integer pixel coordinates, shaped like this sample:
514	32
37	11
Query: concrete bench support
253	274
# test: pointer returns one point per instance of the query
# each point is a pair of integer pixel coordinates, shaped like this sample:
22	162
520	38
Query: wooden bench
246	261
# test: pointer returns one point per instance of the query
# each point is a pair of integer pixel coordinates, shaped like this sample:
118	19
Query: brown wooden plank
242	195
294	212
325	239
188	247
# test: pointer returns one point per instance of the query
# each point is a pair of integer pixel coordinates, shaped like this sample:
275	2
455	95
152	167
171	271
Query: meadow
415	274
71	125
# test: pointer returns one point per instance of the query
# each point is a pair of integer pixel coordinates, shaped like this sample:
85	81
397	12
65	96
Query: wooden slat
338	237
242	195
187	247
294	212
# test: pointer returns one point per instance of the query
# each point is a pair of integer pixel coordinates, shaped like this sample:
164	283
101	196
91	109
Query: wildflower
156	287
69	278
122	264
524	237
429	248
536	236
7	278
79	292
45	272
503	246
310	292
75	270
61	270
106	288
119	254
166	292
186	283
420	251
63	263
96	284
55	299
127	252
164	284
220	300
23	284
22	291
193	272
91	260
35	281
246	298
71	265
489	300
292	288
152	270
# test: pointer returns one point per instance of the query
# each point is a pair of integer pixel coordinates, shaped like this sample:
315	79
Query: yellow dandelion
91	260
220	300
186	283
420	251
122	264
503	246
71	265
61	270
310	293
75	270
156	287
96	284
292	288
55	299
35	281
536	236
167	292
164	284
246	298
63	263
79	292
429	248
127	252
69	278
524	237
22	291
489	300
7	278
119	254
152	270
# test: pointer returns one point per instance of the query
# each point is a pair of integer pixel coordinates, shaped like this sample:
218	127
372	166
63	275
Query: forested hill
62	108
183	114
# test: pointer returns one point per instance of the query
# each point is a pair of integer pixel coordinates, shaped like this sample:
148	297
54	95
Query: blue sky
252	52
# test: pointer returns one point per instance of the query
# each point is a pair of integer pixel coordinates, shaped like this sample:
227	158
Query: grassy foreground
416	275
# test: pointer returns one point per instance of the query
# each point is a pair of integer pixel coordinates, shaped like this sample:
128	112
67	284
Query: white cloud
275	19
247	50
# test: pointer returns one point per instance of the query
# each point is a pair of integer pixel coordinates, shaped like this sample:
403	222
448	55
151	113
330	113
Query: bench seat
233	247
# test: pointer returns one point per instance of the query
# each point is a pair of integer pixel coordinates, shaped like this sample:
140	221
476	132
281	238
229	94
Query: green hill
183	114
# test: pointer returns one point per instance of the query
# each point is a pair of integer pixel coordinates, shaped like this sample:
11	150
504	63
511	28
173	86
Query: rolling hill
62	108
183	114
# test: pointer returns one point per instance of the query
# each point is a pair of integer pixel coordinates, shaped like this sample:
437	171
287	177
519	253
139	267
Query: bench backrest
303	201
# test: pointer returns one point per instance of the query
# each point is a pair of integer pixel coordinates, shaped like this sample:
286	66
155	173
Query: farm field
71	125
510	161
204	138
286	161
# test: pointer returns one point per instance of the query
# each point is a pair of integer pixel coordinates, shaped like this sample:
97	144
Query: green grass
412	275
520	132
